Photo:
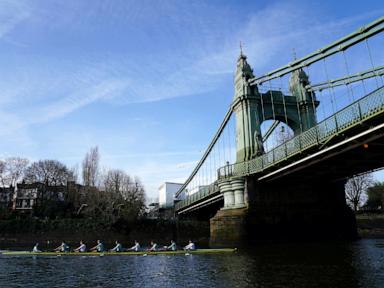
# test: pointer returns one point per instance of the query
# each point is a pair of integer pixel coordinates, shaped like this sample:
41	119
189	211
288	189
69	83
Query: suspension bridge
277	165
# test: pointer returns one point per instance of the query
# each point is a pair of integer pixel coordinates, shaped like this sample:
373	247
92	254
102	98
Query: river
356	264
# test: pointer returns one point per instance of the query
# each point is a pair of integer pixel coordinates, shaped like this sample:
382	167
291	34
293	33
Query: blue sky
147	81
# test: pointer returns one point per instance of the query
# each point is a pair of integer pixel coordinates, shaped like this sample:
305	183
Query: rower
36	248
81	248
62	248
135	247
99	247
117	248
190	246
171	247
153	246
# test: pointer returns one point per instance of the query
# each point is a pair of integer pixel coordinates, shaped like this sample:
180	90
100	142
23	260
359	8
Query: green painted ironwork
342	44
252	107
375	72
247	96
270	130
209	149
371	105
204	192
365	108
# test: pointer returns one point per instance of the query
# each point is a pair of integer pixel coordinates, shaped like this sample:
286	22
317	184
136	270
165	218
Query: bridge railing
352	115
203	193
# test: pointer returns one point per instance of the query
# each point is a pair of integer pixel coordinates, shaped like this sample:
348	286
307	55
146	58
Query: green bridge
251	191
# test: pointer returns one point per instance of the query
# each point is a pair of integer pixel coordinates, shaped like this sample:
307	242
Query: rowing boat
197	251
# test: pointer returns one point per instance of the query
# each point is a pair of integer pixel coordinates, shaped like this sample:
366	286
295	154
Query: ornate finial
294	54
242	56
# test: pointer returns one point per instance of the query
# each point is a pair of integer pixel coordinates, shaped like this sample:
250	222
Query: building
6	195
27	195
167	194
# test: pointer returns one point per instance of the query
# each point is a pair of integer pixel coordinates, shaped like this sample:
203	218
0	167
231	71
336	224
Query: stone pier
228	225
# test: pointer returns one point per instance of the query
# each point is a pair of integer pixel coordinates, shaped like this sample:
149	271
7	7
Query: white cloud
142	80
27	116
103	91
54	88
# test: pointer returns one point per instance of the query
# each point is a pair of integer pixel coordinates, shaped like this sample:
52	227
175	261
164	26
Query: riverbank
50	233
370	225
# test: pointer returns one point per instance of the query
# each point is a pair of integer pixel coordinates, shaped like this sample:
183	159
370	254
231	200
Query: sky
148	82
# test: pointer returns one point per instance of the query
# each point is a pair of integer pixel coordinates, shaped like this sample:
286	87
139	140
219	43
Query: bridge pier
228	225
233	192
227	228
289	210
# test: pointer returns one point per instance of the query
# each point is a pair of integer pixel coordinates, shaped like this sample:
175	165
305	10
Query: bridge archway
252	108
274	107
275	133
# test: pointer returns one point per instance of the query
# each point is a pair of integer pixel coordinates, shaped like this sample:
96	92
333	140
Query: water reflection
357	264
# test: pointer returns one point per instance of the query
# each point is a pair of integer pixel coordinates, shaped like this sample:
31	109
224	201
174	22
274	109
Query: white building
167	194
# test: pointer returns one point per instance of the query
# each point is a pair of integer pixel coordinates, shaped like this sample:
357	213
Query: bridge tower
246	104
253	210
306	101
251	108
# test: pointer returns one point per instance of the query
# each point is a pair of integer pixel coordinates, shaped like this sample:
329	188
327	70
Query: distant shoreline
370	225
160	231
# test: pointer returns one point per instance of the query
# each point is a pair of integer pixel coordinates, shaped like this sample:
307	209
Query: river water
356	264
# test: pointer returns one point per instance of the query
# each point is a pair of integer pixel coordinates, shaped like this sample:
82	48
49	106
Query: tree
49	172
355	187
120	200
128	193
52	195
113	180
3	173
12	170
375	195
74	173
134	193
91	167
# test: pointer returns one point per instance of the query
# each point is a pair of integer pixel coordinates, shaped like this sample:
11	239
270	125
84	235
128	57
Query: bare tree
16	167
12	170
3	173
50	172
113	180
356	187
91	167
74	173
121	198
134	195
